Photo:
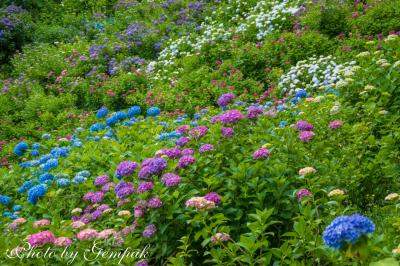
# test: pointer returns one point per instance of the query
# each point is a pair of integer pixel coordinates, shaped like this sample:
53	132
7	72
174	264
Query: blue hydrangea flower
194	124
153	111
78	179
197	116
52	163
16	208
45	158
25	164
301	93
112	120
170	135
282	123
44	178
36	146
36	192
77	144
4	199
97	138
13	216
46	136
121	115
102	112
63	182
96	127
20	148
5	214
347	229
25	186
84	173
35	153
134	111
58	152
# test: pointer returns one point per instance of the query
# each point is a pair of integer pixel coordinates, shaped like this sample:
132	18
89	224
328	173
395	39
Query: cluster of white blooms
267	16
317	73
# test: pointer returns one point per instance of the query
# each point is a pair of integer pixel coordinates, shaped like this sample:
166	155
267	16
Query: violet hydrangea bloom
101	180
155	203
225	99
152	167
145	186
199	131
261	153
170	179
206	147
173	153
149	231
335	124
182	141
182	129
214	197
229	117
306	136
124	189
304	126
301	193
126	167
185	161
227	132
253	112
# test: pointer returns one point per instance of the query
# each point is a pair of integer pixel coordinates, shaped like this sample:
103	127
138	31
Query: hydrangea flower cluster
347	229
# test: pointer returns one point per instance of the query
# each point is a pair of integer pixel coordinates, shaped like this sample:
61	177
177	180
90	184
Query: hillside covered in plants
210	132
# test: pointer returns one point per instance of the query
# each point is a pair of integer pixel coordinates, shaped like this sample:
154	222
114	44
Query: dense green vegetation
296	102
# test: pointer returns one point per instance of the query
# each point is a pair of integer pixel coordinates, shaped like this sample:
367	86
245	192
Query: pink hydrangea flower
41	238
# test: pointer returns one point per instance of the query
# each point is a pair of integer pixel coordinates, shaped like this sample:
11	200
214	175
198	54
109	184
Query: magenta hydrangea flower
62	241
149	231
188	151
230	117
106	187
185	161
199	131
145	186
301	193
304	126
182	141
214	197
88	196
182	129
335	124
253	112
87	234
306	136
225	99
261	153
101	180
155	203
139	211
126	167
142	263
170	179
97	197
206	147
41	238
227	132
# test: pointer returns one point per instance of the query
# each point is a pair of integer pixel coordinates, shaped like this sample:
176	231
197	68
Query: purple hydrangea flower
253	112
126	167
145	186
230	117
182	141
306	136
225	99
101	180
199	131
304	126
149	231
172	153
261	153
171	180
185	161
227	132
124	189
301	193
206	147
154	202
214	197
